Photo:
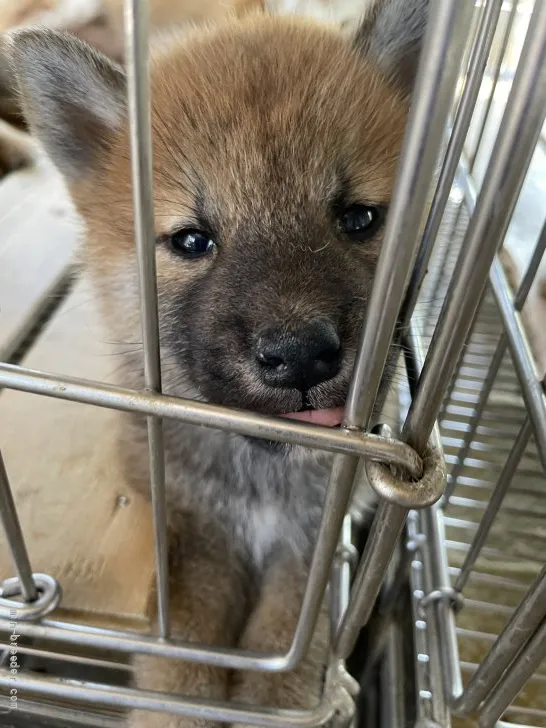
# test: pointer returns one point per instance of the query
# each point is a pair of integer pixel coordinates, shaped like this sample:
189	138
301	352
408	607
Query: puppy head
276	143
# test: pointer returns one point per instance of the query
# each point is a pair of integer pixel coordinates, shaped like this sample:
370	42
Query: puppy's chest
262	500
264	524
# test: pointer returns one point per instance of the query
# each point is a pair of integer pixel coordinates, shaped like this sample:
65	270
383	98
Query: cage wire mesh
474	561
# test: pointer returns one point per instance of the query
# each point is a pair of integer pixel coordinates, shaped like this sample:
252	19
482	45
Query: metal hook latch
410	493
49	595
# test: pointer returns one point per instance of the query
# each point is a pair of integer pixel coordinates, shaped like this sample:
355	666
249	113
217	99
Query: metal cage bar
434	88
456	139
14	537
515	654
511	156
496	76
503	483
138	82
428	119
502	346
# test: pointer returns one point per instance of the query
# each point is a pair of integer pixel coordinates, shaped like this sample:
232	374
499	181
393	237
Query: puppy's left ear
73	97
391	36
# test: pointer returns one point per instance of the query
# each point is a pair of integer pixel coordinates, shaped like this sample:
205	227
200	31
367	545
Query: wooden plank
38	240
81	521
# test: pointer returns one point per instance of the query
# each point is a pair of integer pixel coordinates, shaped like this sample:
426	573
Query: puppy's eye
360	222
191	244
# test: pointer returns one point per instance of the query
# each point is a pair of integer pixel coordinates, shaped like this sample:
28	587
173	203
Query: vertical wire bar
522	358
444	669
136	38
14	536
424	708
496	76
495	502
392	680
447	274
522	625
340	581
502	346
440	267
477	64
514	681
434	87
435	84
384	535
386	611
510	159
395	583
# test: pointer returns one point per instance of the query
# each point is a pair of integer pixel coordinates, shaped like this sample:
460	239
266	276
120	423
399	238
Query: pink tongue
325	417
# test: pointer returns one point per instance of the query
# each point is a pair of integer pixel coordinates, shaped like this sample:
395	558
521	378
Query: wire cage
453	572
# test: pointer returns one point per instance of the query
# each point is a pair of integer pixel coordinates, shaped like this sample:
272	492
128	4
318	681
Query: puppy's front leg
271	629
207	603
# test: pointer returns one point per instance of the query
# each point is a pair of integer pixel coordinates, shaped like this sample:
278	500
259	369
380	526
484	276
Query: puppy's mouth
331	417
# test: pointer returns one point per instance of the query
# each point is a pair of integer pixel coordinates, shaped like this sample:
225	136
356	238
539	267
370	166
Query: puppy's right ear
73	97
391	35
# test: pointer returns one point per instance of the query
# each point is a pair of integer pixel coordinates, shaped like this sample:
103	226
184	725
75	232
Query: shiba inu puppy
276	142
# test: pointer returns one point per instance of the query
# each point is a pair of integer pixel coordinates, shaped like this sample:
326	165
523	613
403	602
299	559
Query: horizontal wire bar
62	657
489	552
524	710
482	606
203	709
521	532
477	635
536	678
129	642
491	579
494	504
57	713
351	442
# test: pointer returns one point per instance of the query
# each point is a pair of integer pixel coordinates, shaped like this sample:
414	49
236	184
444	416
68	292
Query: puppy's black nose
299	358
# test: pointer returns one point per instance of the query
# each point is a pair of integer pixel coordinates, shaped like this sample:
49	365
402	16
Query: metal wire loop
49	596
347	554
443	594
344	689
410	493
415	543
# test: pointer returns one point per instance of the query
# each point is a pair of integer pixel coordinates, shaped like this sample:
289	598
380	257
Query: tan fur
253	97
206	596
178	74
207	607
101	28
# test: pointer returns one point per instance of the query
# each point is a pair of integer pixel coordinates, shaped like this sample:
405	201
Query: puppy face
275	148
